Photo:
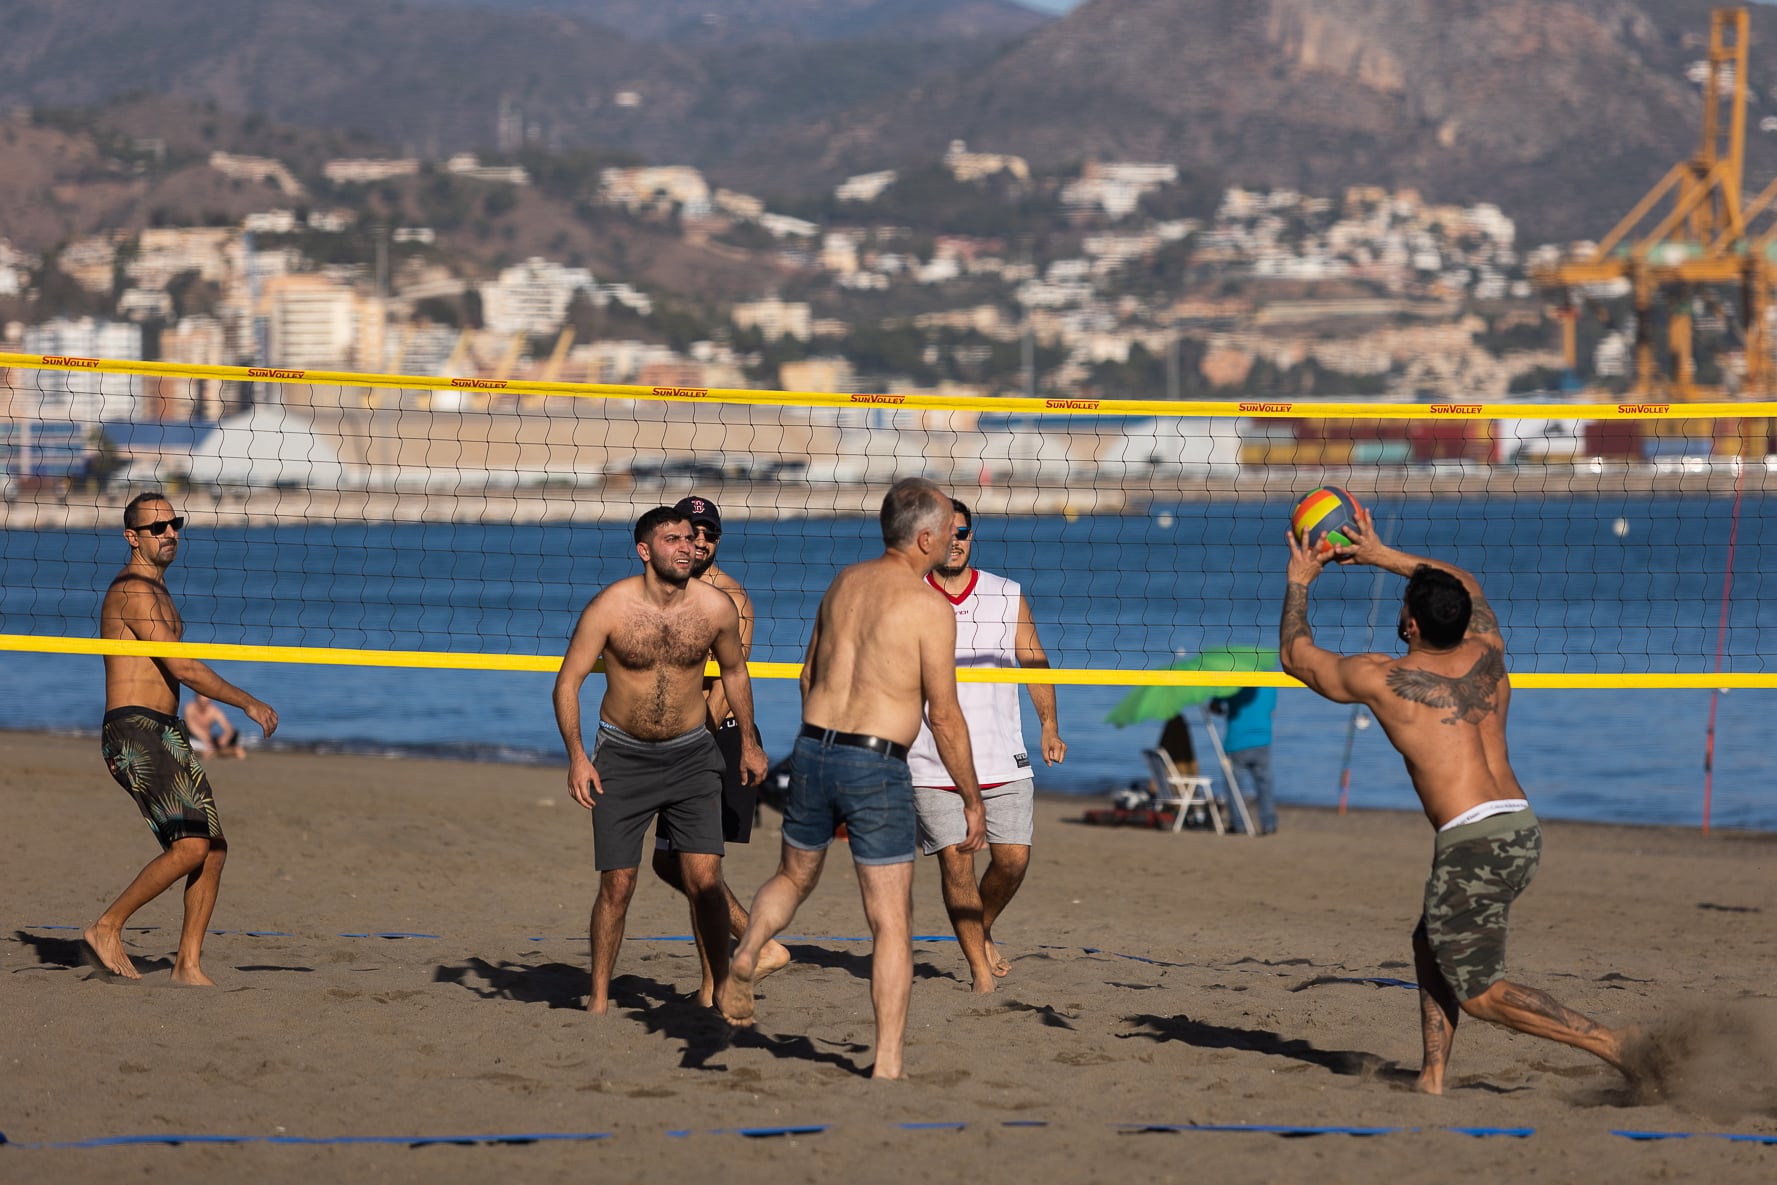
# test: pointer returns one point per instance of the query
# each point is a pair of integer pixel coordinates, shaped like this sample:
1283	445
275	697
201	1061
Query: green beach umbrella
1164	702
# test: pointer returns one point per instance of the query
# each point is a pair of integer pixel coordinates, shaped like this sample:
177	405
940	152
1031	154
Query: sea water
1584	585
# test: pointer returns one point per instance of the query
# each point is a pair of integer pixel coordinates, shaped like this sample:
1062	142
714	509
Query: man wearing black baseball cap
701	511
739	800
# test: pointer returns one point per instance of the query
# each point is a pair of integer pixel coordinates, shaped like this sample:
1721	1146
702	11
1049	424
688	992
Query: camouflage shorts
1477	871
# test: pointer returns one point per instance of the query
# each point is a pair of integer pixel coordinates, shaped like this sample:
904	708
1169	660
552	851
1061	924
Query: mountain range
1561	111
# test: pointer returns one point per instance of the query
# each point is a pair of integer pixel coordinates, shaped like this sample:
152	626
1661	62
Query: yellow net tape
1317	409
466	661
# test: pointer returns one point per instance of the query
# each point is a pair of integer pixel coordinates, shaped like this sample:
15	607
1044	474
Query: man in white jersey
993	629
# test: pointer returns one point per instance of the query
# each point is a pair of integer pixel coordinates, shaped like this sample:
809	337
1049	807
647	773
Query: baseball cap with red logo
700	510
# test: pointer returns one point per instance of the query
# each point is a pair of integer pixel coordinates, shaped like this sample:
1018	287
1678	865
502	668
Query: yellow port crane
550	371
1687	239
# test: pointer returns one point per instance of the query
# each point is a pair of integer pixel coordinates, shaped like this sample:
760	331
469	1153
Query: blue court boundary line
810	1129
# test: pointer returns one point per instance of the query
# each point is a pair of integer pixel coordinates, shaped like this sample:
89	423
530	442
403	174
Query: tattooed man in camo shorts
1443	705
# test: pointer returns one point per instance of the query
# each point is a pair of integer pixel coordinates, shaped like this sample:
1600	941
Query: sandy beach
402	958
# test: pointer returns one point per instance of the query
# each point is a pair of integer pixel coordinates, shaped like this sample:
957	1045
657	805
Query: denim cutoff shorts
870	792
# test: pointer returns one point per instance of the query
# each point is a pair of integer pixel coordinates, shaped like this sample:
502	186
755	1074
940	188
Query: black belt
857	740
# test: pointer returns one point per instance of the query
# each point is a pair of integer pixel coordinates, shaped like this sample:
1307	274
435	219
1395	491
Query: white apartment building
144	304
648	188
467	164
775	318
257	168
15	269
270	222
1120	248
1611	358
81	396
333	222
624	294
1117	187
163	253
864	187
346	171
1041	294
740	205
312	323
194	341
783	226
532	297
1488	221
940	269
89	262
974	166
839	252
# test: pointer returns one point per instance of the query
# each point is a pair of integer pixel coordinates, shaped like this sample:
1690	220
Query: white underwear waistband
1499	806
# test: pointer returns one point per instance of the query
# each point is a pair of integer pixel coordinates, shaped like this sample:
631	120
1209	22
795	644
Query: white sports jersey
986	636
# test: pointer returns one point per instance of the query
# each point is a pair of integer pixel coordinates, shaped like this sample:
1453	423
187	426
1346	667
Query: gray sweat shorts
678	781
1011	815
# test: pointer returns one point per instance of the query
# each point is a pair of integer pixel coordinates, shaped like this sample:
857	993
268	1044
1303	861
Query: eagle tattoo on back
1470	696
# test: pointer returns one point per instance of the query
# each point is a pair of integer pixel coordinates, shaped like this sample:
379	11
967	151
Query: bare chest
132	601
649	640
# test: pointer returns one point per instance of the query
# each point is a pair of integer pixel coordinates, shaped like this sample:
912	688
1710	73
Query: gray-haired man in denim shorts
883	652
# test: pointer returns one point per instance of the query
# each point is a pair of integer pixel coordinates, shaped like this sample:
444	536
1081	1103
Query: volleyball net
365	519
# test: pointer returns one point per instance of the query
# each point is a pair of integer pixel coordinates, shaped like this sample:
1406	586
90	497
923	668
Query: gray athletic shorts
677	781
1011	810
740	801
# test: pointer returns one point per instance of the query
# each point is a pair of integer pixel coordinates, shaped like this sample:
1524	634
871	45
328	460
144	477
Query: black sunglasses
709	533
963	532
177	522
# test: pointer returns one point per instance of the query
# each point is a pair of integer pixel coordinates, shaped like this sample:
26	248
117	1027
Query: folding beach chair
1182	792
1235	797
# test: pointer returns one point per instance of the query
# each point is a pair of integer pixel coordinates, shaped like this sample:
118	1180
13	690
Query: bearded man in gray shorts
1443	705
653	757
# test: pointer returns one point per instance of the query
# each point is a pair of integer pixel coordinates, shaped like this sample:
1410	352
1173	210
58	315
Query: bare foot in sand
735	997
997	961
775	957
1643	1061
107	948
192	976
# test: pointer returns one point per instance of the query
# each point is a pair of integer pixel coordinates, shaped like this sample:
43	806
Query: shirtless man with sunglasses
148	750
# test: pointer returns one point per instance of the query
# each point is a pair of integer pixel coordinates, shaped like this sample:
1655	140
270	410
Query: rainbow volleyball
1322	518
